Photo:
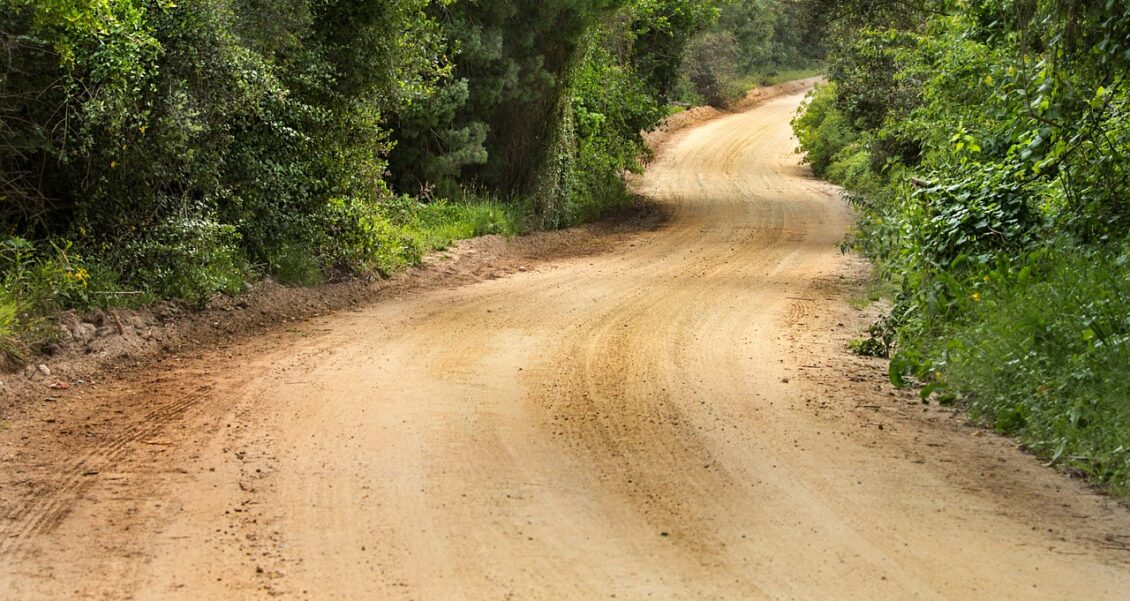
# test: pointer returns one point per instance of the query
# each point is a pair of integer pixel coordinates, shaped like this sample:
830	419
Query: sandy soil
670	414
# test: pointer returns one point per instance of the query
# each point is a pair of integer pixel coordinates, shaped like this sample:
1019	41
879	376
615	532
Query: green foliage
987	148
186	148
190	259
822	130
432	148
1043	354
546	105
749	43
182	142
770	76
711	64
360	236
611	105
39	280
660	32
879	342
771	35
435	225
74	73
9	324
396	234
491	124
866	74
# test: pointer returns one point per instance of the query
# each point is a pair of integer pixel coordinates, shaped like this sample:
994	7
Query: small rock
43	369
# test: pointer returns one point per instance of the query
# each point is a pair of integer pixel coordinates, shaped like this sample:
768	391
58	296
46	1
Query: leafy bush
749	44
711	64
39	280
822	130
851	168
611	105
359	237
152	148
136	117
190	259
986	150
1044	353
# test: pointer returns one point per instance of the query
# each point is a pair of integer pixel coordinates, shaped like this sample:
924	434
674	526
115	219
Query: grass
293	265
9	323
738	85
434	226
38	281
1045	355
774	77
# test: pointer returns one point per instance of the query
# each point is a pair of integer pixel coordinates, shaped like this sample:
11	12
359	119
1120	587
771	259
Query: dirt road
675	419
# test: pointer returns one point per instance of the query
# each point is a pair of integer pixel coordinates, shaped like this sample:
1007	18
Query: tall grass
434	226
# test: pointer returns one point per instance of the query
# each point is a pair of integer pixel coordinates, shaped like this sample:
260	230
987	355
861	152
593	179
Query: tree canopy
180	149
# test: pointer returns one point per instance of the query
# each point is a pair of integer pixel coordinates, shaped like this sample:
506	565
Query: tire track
50	501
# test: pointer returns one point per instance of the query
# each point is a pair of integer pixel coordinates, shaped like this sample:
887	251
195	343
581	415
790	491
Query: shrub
822	130
1044	353
985	149
359	237
189	259
710	65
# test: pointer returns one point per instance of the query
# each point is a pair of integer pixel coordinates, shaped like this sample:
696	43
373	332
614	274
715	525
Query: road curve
668	421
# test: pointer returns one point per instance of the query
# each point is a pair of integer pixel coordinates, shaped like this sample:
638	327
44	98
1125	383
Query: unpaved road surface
676	418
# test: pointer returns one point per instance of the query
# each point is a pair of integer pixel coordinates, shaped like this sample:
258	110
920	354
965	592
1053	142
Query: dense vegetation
158	149
985	143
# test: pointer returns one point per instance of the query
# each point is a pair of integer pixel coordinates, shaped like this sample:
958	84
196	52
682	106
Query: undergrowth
1044	355
197	261
770	77
990	183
